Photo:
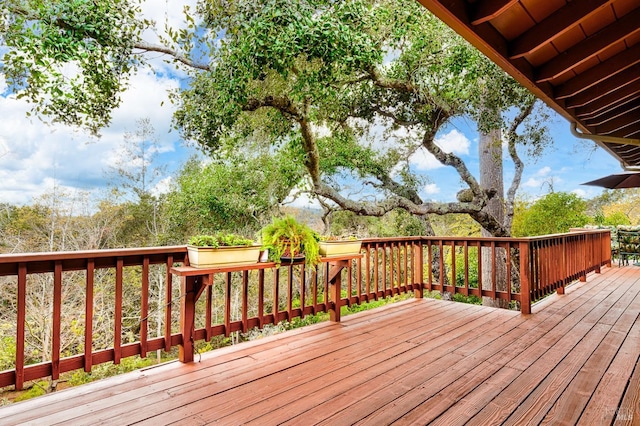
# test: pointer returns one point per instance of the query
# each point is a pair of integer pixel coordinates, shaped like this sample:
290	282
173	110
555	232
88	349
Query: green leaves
220	240
71	59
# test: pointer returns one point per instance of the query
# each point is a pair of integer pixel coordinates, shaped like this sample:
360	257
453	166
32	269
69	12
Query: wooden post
335	287
419	270
187	318
525	277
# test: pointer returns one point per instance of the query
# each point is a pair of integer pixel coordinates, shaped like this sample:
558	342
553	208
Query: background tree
554	213
237	194
133	179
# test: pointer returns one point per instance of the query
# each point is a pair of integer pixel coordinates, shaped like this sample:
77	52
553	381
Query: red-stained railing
140	293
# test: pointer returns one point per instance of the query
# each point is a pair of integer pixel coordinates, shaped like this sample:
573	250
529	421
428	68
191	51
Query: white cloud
454	142
431	188
544	171
34	154
580	193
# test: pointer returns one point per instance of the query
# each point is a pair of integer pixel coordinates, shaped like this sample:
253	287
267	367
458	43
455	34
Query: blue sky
36	157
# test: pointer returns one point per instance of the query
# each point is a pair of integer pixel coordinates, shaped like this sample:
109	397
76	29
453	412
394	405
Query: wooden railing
149	307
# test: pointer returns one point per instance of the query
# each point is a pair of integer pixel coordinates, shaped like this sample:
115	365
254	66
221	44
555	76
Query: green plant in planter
221	249
286	237
220	240
337	238
331	245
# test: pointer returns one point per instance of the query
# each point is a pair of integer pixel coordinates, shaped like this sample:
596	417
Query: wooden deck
575	360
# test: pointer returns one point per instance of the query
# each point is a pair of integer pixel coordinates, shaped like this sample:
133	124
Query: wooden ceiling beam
626	77
607	69
486	10
614	113
620	126
613	100
555	25
628	152
630	158
629	132
590	47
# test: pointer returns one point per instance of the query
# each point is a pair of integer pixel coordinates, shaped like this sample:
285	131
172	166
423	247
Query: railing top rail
91	254
487	239
141	251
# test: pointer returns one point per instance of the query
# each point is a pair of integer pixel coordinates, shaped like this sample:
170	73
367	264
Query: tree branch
512	137
395	118
147	47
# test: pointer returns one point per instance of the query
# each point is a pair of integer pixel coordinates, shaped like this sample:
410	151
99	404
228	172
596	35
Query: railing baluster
454	282
303	285
384	271
261	298
88	317
144	308
56	321
465	246
314	282
276	295
494	271
168	304
479	254
227	304
208	314
245	301
21	319
508	273
441	277
290	292
117	320
429	266
375	271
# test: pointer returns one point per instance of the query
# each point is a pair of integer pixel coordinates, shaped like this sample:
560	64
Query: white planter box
207	257
342	247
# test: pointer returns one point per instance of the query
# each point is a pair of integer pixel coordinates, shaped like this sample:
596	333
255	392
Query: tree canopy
350	90
554	213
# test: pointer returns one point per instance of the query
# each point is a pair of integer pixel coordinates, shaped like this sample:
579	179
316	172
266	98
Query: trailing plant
286	237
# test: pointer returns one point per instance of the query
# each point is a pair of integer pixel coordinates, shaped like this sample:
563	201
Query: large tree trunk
491	177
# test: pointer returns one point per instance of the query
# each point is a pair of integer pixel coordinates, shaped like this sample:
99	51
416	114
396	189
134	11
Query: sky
35	157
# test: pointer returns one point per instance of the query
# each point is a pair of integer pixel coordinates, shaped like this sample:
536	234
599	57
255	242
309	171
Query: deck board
574	360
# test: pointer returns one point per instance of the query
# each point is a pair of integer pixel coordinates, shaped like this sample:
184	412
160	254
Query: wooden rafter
489	9
614	113
616	99
590	47
555	25
596	92
608	69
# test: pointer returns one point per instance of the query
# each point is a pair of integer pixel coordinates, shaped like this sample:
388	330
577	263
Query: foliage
317	84
324	77
238	194
71	59
554	213
37	389
101	371
471	299
220	240
337	238
7	349
286	236
616	218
